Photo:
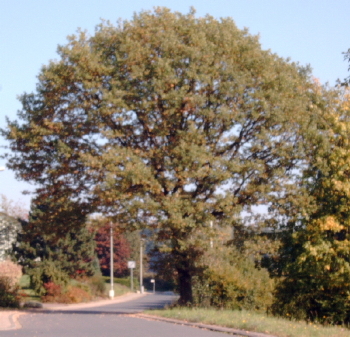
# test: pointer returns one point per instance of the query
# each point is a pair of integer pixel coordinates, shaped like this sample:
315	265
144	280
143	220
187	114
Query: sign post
131	266
154	285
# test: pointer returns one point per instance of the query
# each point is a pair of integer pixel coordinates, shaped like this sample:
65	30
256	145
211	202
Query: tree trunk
185	286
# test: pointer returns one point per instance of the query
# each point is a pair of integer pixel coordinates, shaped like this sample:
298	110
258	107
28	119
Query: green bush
9	296
232	281
46	272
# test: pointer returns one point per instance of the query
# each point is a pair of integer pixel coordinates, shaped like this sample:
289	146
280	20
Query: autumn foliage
121	250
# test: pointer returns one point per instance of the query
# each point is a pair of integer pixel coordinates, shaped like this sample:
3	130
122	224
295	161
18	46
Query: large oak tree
166	121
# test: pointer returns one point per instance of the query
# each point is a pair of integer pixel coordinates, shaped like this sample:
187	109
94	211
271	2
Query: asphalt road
113	320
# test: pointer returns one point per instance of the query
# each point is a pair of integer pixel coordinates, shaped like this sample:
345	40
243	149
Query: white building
9	228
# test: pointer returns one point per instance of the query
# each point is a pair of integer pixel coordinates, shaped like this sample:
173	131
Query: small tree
74	253
53	257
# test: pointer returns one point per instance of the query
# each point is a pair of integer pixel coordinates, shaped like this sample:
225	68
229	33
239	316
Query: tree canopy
166	121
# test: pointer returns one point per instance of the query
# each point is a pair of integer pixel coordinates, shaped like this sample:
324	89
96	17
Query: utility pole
141	258
111	291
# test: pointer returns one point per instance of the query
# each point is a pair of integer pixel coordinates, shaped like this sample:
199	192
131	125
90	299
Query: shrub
9	296
53	292
232	281
11	270
97	285
47	272
82	286
75	294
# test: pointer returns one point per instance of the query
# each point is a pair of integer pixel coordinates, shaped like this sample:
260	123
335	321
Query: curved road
107	320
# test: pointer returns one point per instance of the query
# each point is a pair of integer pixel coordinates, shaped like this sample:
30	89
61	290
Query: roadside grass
119	289
24	281
121	285
252	321
29	294
125	281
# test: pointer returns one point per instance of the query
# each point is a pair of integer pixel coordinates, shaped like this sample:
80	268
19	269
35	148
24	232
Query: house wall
9	228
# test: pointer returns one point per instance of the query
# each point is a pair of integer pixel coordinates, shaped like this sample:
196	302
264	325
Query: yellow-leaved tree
315	257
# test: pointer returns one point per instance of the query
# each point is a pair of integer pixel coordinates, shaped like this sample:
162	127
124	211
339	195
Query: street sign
131	264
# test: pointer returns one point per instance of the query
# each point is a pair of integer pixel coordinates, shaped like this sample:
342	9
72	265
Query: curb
235	332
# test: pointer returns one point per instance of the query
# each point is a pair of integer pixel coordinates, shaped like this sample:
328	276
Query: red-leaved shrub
73	294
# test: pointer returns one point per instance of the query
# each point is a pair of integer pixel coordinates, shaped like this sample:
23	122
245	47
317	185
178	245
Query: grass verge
252	321
118	289
29	294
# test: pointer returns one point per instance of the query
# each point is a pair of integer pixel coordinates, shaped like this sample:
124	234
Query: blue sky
314	32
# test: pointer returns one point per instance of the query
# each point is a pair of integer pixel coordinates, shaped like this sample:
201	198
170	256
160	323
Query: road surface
111	320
